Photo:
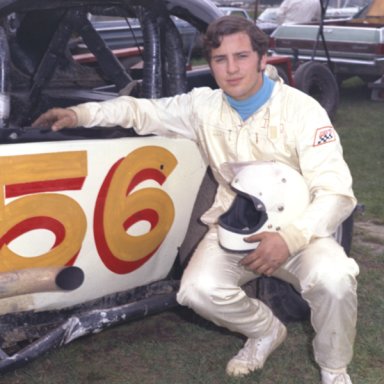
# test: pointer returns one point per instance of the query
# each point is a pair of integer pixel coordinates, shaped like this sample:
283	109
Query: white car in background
267	20
341	13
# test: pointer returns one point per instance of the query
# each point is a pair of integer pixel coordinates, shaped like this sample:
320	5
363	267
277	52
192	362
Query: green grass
360	123
178	347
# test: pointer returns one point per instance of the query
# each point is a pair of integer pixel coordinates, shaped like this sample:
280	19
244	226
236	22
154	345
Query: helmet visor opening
245	216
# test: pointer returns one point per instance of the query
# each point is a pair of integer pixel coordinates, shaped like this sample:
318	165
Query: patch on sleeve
324	135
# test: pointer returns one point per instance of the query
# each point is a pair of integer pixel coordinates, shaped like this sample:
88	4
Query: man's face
236	67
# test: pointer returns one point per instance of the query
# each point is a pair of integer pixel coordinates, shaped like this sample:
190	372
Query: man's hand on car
56	119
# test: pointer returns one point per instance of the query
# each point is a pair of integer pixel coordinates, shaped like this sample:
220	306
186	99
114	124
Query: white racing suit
291	128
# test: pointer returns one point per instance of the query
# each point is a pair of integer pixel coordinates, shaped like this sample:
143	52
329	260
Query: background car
337	9
267	20
123	32
341	13
235	11
349	47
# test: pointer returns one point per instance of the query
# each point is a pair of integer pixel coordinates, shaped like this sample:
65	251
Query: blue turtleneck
247	107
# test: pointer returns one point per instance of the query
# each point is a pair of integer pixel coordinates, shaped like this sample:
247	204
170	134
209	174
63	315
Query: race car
96	225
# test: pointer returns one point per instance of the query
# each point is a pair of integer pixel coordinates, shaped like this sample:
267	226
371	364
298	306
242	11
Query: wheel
196	229
344	233
317	80
285	302
283	299
283	74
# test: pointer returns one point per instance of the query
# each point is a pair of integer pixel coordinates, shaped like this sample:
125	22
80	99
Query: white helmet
269	195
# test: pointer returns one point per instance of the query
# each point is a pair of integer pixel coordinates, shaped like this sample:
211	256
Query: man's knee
194	293
328	269
205	295
336	280
200	291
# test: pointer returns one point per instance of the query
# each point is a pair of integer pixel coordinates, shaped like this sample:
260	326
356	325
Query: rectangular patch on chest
324	135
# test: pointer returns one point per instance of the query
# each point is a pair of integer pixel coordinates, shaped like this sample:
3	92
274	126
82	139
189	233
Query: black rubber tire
282	73
317	80
285	302
344	234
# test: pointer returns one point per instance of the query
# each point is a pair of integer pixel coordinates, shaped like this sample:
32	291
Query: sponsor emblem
324	135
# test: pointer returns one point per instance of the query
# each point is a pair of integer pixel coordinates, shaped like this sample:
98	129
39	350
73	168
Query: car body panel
92	180
116	267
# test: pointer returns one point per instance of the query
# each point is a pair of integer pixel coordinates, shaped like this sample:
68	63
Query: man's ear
263	62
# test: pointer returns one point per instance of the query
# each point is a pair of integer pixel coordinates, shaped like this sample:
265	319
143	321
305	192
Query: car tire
344	233
283	299
283	74
196	229
317	80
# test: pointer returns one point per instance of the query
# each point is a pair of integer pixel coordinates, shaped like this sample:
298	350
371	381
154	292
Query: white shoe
335	377
256	351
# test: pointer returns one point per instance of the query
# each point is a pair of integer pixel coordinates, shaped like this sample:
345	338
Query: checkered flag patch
324	135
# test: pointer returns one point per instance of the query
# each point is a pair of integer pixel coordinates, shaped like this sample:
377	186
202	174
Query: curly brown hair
228	25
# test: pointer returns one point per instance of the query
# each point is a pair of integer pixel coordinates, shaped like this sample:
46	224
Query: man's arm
328	178
329	181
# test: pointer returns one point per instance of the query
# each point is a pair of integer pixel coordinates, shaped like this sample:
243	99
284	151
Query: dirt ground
371	234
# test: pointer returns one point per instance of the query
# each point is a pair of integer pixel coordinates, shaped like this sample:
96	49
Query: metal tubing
34	280
86	323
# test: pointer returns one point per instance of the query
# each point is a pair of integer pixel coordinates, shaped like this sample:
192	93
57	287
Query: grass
359	122
178	347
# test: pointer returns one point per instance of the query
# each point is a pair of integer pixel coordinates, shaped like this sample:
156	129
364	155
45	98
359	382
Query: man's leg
211	286
326	278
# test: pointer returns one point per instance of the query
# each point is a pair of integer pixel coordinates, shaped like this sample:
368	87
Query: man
299	11
252	117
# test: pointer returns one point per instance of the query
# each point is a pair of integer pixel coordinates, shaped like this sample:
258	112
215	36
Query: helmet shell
269	196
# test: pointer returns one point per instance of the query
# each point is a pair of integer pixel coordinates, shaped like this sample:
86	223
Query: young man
252	117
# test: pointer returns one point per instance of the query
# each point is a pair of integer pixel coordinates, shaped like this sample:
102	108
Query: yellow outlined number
53	211
34	182
121	204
